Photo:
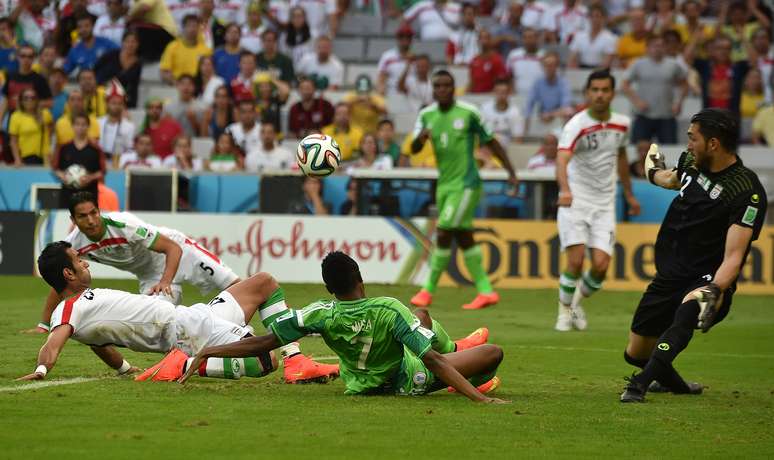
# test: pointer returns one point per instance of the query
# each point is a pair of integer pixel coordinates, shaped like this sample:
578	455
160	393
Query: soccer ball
318	155
73	175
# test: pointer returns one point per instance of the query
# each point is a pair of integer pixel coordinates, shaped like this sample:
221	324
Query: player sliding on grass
383	348
162	259
700	249
453	127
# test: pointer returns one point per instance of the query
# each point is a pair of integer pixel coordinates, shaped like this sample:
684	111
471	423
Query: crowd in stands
254	75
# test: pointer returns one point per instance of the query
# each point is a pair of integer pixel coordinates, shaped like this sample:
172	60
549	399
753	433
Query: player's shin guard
439	260
567	284
235	368
590	284
269	311
442	343
474	264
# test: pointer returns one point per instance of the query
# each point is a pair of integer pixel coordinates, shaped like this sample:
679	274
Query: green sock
273	308
590	284
481	379
232	368
476	269
439	260
441	342
567	283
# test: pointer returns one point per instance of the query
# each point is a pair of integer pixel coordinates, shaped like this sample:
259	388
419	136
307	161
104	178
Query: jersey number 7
366	341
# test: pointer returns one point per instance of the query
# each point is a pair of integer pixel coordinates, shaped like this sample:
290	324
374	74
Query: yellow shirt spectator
365	113
158	14
740	40
425	158
33	139
348	141
64	130
181	59
707	34
630	48
749	104
763	125
95	105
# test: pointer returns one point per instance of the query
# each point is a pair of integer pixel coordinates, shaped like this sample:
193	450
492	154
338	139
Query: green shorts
414	379
456	208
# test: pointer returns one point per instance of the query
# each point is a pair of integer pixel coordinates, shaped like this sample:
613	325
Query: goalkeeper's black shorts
658	305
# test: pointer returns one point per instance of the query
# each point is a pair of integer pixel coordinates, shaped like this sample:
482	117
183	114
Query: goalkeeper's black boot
693	388
634	391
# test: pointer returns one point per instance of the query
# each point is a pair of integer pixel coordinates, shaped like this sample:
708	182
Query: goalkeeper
700	249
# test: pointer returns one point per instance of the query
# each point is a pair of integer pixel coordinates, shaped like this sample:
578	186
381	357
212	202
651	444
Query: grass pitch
564	389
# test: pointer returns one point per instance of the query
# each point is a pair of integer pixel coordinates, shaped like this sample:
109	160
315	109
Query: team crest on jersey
716	191
704	182
419	378
459	123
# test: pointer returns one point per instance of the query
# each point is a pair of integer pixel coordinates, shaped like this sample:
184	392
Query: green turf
564	389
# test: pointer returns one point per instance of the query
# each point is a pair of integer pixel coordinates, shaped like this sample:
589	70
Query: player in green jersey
453	127
383	348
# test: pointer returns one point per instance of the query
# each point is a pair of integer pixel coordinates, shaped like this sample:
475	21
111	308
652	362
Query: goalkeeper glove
654	162
709	303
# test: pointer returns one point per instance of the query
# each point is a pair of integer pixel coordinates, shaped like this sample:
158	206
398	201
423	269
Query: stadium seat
353	70
137	116
360	25
202	147
377	46
435	49
349	49
151	73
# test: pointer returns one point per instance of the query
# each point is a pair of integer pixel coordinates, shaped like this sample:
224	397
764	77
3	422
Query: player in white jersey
592	148
161	259
105	318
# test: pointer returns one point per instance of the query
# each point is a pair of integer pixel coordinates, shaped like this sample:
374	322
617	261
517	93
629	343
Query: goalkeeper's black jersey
691	241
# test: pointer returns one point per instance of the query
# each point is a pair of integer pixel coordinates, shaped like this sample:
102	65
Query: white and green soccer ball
318	155
73	175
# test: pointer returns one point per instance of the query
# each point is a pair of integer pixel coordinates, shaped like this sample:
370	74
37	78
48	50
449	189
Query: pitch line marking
52	383
607	350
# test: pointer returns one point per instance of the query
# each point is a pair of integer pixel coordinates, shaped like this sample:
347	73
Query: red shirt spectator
162	129
310	113
487	67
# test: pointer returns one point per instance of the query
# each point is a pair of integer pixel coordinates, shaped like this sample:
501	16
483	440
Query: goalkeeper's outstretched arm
657	172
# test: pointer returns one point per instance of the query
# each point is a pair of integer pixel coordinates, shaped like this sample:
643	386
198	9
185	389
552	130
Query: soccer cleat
170	368
487	387
578	318
301	369
694	388
633	392
422	298
482	301
474	339
564	319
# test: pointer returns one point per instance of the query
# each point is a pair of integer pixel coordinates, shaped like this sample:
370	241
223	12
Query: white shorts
592	227
204	325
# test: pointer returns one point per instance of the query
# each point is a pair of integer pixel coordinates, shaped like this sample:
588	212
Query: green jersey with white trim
454	133
369	336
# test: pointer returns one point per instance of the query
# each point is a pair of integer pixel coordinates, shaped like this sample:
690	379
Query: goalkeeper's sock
669	377
567	284
442	343
269	311
590	284
475	266
233	368
439	260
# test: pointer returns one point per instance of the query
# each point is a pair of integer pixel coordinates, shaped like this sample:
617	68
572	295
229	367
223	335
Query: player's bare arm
562	160
499	152
626	182
440	366
419	141
251	346
113	358
173	253
49	352
657	172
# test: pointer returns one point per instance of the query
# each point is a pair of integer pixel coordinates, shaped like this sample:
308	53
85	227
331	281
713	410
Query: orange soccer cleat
422	298
170	368
482	301
474	339
301	369
485	388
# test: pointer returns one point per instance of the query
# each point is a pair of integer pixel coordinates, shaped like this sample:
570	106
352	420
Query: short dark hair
190	17
598	7
186	76
673	34
83	115
83	16
269	32
6	21
81	197
443	73
340	273
52	262
385	121
244	53
600	74
721	124
85	71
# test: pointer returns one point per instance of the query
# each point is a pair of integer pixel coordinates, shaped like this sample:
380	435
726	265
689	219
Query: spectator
226	57
322	16
16	82
663	18
655	77
385	136
416	84
596	46
551	94
80	151
524	64
182	55
564	21
503	117
269	155
275	15
721	79
694	33
246	133
739	30
155	27
47	61
76	105
182	157
271	60
230	11
185	108
89	49
218	115
35	23
365	105
310	113
435	19
8	62
752	94
369	155
116	132
272	94
30	130
763	124
349	207
206	82
632	44
463	45
487	67
312	203
394	61
325	68
179	9
242	87
673	48
93	95
125	65
546	156
253	29
142	156
535	14
762	54
67	25
160	127
507	37
225	156
298	38
112	24
347	135
57	81
211	29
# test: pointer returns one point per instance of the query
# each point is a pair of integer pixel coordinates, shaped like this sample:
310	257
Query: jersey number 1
686	181
366	341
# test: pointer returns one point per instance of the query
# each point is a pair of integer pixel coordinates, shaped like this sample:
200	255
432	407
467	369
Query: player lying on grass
700	249
102	318
163	259
383	348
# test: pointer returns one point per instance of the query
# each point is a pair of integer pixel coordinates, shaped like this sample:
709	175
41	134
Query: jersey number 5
207	269
366	341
